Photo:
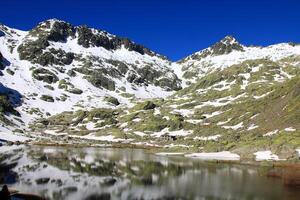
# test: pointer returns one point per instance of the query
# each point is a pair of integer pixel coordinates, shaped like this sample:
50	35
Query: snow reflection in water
97	173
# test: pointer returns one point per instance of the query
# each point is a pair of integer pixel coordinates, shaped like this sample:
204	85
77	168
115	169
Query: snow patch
223	155
266	155
271	133
13	137
213	137
290	129
234	127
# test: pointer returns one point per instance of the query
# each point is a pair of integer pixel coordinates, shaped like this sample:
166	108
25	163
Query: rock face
225	46
41	51
1	62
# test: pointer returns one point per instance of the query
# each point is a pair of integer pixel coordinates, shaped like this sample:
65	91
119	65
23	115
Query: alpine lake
123	173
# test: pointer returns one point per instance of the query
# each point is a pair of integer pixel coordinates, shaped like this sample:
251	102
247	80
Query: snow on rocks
223	155
266	156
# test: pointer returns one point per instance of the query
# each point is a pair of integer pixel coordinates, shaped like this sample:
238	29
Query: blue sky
175	28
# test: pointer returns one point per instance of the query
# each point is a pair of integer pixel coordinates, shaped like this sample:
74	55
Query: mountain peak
52	21
223	47
229	39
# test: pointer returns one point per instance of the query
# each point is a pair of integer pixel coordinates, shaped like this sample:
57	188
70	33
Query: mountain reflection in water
98	173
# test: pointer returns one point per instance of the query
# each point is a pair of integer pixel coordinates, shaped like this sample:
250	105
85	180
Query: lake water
99	173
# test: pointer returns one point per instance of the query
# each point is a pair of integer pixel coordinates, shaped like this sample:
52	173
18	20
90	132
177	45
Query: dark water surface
98	173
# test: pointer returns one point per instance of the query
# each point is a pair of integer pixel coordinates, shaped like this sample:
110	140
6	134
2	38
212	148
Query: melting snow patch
139	133
261	96
184	112
290	129
271	133
223	155
298	151
266	155
213	114
256	69
252	126
172	133
90	126
224	122
137	120
124	125
235	127
156	111
145	144
213	137
194	121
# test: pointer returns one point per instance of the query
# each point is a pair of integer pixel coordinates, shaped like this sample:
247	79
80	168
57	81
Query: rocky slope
60	67
90	86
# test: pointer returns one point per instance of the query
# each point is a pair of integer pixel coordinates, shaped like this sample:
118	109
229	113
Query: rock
45	75
100	81
108	182
47	98
43	158
112	100
59	182
148	105
42	181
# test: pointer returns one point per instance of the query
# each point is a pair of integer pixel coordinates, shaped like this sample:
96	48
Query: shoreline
155	150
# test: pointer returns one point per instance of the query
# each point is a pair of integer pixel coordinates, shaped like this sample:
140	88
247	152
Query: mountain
76	85
60	67
228	52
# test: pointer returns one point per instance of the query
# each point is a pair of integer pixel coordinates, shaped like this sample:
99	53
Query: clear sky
175	28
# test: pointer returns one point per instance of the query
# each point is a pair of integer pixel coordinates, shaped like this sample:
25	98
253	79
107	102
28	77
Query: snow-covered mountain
228	52
66	83
60	67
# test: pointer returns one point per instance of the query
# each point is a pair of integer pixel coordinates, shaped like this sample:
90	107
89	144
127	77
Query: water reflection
94	173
